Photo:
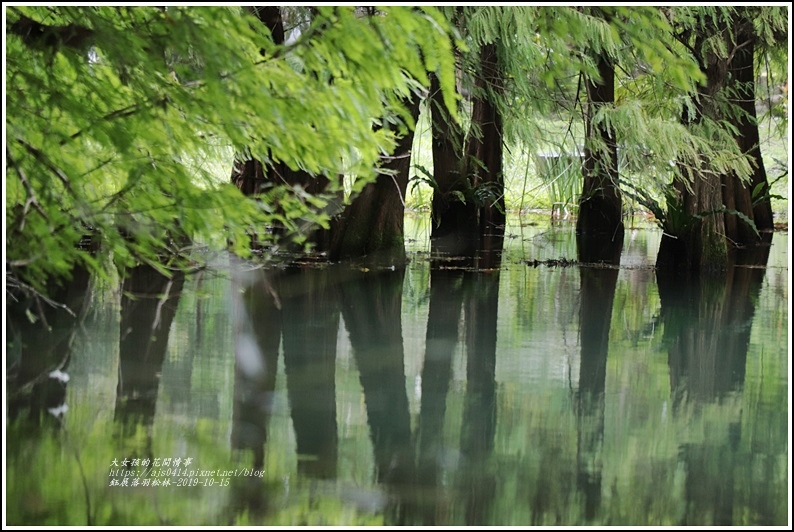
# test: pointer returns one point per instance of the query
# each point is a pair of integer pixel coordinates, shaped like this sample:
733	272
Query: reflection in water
707	327
257	333
707	332
148	305
371	308
597	293
41	335
310	322
478	485
256	321
410	467
425	416
299	306
446	302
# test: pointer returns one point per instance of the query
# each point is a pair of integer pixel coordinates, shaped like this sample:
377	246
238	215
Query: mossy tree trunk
693	242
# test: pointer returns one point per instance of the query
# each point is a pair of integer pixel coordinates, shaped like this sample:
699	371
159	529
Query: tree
117	118
372	223
710	208
468	178
599	224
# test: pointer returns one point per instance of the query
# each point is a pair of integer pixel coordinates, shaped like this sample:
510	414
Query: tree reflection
469	286
257	333
299	306
599	257
310	322
707	324
148	305
371	308
478	483
40	340
256	322
441	340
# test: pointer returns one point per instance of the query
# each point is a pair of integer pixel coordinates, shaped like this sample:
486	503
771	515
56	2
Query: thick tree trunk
698	244
251	175
454	220
699	240
372	225
468	202
599	224
694	233
485	157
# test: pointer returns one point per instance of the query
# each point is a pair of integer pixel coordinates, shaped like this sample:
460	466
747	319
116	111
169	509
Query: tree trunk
251	175
372	225
485	155
699	239
454	219
599	224
694	233
743	79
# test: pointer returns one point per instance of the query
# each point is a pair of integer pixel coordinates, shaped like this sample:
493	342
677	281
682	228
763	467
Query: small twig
29	189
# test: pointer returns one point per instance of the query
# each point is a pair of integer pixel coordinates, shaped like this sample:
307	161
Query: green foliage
107	133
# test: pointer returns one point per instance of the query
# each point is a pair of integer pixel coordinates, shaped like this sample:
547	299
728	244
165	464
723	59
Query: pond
542	392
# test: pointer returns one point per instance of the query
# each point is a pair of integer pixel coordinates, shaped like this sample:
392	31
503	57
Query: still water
538	393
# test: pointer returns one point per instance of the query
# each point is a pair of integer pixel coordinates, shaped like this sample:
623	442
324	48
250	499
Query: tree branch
38	35
29	189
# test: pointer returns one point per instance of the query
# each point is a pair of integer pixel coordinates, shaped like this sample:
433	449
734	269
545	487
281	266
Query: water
528	395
